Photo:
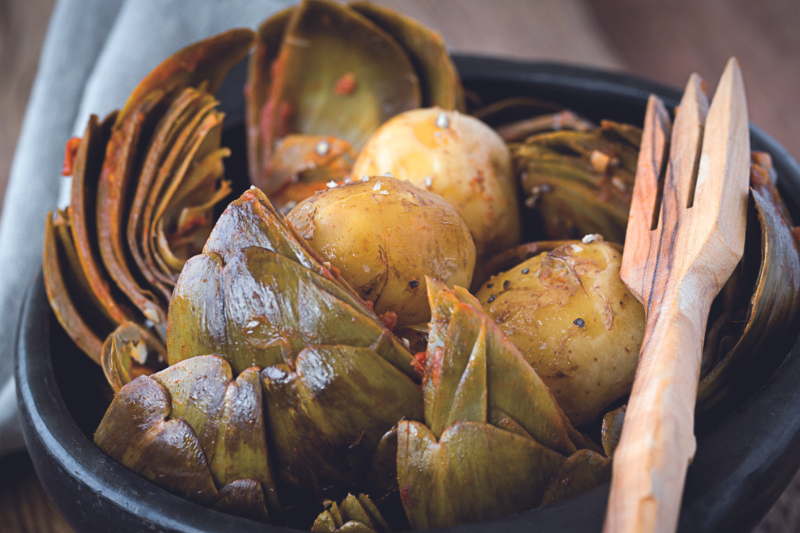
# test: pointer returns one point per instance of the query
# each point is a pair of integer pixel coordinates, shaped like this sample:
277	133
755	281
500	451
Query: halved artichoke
579	182
367	62
145	182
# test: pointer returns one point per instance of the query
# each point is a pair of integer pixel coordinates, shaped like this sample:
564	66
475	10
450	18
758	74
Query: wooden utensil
677	257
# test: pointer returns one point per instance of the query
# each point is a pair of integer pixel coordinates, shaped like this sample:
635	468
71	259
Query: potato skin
386	235
574	321
457	157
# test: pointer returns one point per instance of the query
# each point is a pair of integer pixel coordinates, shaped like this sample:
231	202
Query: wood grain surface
664	41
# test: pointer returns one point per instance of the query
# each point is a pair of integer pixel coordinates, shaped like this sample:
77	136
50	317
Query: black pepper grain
579	322
491	298
489	285
526	270
413	284
506	284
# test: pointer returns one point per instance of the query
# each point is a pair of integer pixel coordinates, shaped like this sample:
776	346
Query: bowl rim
743	477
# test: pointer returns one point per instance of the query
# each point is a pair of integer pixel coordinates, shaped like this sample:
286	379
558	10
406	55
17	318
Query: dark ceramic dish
744	459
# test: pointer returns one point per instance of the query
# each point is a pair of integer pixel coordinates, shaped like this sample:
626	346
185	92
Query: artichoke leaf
354	515
259	80
196	323
112	195
772	312
243	497
580	182
327	415
203	130
85	176
494	473
136	433
332	57
129	352
206	61
611	430
171	127
513	385
56	269
583	471
307	163
195	417
439	82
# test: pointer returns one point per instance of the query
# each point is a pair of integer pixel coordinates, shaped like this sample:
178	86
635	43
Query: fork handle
657	442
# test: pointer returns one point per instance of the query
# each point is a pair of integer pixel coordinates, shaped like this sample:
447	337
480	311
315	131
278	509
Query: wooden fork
677	257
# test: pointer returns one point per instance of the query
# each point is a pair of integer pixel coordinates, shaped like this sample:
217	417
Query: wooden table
664	41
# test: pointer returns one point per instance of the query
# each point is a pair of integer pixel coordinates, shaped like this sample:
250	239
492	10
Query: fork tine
723	176
687	138
644	200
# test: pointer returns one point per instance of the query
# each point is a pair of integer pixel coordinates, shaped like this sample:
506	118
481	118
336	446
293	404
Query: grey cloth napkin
95	53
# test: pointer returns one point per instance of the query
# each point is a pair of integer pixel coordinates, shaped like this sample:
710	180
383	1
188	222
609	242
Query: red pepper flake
419	363
389	319
346	85
70	151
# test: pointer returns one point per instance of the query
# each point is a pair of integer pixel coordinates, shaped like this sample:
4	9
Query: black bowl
744	459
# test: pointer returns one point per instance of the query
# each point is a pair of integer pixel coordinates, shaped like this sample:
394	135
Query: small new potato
457	157
386	235
574	321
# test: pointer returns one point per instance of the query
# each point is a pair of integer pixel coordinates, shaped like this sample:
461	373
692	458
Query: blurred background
661	40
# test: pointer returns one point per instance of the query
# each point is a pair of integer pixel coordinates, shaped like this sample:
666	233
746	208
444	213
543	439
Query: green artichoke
198	433
760	303
144	184
367	62
579	182
355	515
493	433
335	379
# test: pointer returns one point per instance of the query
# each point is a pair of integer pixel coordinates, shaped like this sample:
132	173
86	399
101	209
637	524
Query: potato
458	157
574	321
386	235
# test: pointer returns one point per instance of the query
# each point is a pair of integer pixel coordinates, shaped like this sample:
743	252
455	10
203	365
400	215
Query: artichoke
493	433
367	62
287	391
198	433
579	182
355	515
335	379
760	303
145	182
